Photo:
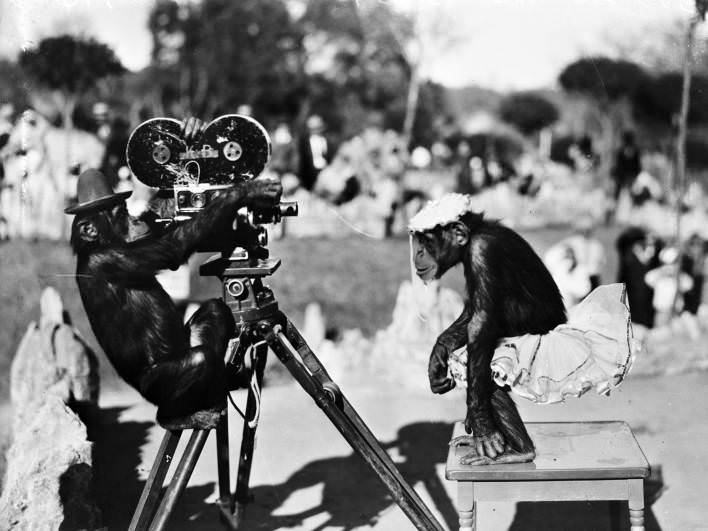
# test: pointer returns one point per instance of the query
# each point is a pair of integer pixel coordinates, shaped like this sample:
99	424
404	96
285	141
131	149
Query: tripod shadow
352	495
588	516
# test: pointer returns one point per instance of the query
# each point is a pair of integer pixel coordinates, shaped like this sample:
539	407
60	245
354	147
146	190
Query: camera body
231	149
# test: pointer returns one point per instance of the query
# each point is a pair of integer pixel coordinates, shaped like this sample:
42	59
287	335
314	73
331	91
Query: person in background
313	152
627	164
463	170
113	132
669	285
637	256
284	157
588	250
570	276
693	263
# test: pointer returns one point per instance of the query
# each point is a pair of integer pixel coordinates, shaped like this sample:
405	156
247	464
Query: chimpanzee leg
519	446
211	325
511	426
195	381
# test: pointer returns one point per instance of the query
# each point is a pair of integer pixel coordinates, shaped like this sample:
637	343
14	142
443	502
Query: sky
501	44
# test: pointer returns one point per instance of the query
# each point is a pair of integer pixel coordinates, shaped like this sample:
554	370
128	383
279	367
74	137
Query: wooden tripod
262	325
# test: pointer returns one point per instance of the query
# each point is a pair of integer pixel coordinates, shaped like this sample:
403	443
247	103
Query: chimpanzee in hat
178	368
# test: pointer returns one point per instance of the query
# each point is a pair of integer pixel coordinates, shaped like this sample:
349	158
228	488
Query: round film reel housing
153	152
231	149
242	148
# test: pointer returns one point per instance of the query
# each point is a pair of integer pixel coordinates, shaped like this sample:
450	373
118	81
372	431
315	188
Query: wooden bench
575	461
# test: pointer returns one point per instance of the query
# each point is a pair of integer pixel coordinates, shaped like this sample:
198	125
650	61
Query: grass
354	279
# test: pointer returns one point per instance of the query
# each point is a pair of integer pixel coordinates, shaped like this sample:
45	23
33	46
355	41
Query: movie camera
231	149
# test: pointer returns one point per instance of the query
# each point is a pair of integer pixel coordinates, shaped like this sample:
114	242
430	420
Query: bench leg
466	507
636	504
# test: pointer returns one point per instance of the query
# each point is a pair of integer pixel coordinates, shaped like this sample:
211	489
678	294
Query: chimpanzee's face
433	255
436	251
426	267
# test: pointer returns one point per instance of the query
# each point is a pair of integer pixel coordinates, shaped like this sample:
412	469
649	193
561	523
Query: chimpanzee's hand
490	444
440	382
192	128
263	191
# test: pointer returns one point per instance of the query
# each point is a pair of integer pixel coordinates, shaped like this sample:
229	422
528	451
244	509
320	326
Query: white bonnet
449	208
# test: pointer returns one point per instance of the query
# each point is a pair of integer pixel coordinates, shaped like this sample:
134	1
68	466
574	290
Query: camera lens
198	200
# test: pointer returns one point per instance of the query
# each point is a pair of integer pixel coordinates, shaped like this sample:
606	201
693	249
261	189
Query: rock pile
48	476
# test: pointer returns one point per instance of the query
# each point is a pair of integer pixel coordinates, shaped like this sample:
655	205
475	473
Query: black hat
94	194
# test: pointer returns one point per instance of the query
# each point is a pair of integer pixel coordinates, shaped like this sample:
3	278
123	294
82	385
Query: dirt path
305	477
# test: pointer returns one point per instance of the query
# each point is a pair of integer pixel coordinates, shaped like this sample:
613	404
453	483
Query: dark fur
136	322
510	293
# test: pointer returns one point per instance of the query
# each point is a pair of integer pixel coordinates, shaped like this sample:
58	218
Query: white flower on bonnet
449	208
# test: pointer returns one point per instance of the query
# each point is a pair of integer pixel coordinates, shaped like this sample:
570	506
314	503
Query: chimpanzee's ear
460	233
87	230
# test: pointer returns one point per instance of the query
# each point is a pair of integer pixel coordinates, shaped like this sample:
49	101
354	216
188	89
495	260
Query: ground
304	475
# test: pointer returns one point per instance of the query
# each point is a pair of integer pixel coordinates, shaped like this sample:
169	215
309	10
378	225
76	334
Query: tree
69	67
354	55
215	55
603	79
611	85
658	101
528	111
696	18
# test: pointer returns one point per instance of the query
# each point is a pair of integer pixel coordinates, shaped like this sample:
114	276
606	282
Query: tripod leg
180	479
240	498
222	460
313	378
151	491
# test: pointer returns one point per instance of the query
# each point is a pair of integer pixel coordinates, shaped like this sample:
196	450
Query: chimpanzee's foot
462	440
475	460
509	456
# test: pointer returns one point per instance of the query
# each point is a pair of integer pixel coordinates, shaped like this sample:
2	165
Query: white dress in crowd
593	350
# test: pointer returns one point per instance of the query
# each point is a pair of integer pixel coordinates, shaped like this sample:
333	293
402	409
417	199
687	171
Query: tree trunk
60	179
411	103
680	173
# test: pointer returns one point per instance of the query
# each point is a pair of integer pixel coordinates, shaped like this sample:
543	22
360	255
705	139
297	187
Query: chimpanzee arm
454	337
482	341
173	248
483	331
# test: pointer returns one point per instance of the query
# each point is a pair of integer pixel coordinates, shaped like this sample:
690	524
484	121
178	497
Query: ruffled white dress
593	350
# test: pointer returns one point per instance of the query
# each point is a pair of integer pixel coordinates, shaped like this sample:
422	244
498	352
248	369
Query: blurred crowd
371	183
664	279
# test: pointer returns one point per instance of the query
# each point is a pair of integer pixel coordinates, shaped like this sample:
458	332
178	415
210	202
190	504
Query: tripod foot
233	520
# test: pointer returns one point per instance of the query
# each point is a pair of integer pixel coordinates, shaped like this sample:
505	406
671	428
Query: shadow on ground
588	516
351	494
116	458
